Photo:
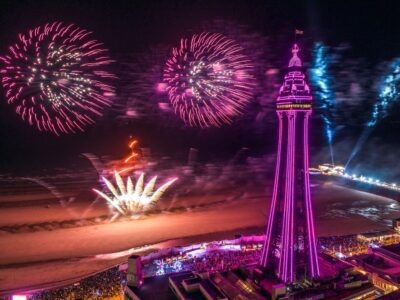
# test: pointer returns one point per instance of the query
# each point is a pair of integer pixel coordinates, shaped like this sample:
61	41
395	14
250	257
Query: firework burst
389	93
55	76
209	80
322	84
128	200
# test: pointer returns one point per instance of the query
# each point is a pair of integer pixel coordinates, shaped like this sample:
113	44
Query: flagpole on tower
297	32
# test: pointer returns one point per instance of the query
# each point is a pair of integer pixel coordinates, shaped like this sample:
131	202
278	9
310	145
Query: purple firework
209	79
56	77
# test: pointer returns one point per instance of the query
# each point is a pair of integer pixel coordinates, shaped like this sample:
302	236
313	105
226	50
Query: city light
339	171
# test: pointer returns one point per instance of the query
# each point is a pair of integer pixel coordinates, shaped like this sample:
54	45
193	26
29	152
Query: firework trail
95	161
56	78
322	86
56	193
130	160
208	80
388	94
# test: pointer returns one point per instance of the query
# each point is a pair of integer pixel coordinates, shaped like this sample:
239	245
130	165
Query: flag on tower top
297	31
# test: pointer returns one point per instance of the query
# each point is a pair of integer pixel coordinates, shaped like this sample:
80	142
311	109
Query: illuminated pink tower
290	242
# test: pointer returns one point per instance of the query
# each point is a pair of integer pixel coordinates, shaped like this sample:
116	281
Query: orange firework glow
133	154
130	158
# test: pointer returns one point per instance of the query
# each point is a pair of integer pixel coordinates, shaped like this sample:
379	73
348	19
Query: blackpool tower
290	241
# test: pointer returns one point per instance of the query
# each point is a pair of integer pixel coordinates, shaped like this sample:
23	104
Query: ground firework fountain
130	200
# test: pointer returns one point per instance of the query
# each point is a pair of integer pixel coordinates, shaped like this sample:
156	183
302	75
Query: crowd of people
348	245
104	285
215	260
109	284
219	261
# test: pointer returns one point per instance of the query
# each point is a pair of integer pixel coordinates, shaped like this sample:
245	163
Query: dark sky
131	27
125	26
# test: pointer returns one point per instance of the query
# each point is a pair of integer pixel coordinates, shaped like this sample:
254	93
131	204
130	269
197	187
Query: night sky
368	30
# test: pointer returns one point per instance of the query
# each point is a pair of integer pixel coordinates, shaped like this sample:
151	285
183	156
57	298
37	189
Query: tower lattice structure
290	243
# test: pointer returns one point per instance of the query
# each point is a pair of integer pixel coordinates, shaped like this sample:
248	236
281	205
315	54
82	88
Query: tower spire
295	61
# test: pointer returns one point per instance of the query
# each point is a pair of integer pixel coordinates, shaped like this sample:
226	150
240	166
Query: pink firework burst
55	75
209	79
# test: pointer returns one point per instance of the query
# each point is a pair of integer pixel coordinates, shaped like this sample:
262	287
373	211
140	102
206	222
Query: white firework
128	200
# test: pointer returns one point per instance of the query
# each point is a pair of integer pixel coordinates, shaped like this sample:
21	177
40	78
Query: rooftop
155	288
